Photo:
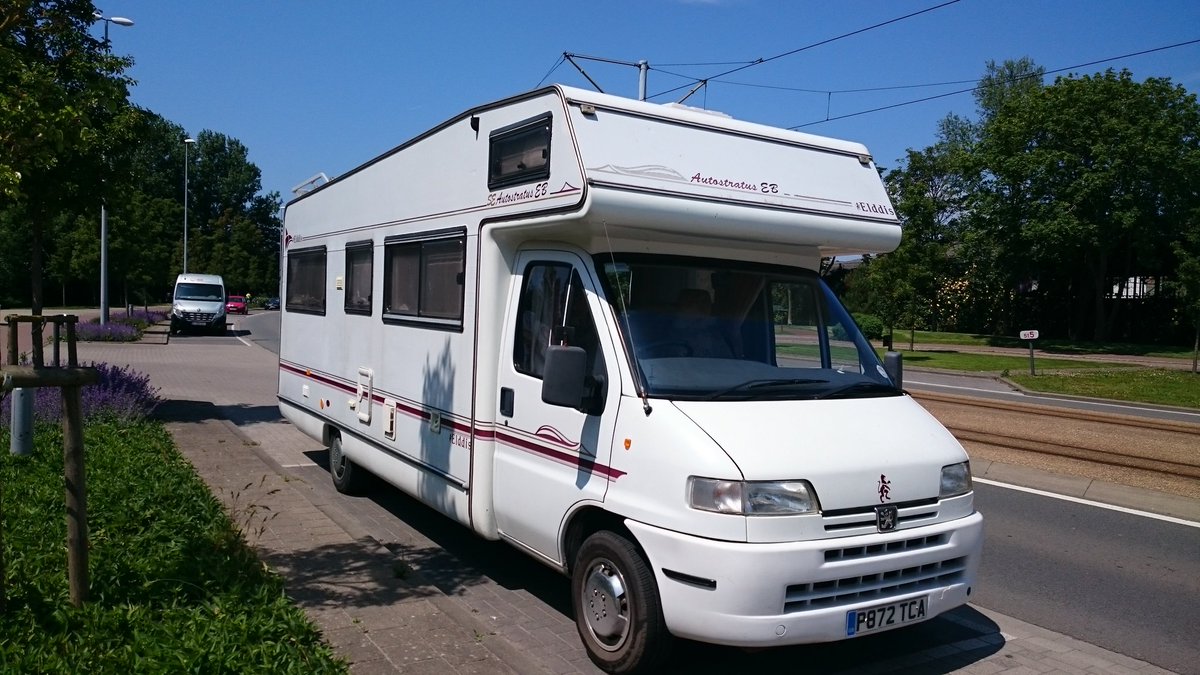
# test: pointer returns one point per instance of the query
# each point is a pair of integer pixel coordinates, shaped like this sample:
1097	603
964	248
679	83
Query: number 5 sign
1030	335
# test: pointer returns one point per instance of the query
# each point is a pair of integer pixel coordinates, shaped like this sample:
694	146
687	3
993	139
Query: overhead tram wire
559	62
1016	79
698	82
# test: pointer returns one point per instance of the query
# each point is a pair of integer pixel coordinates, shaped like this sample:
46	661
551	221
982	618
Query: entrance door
549	458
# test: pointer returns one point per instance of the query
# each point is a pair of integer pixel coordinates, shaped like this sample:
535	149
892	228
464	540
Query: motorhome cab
594	328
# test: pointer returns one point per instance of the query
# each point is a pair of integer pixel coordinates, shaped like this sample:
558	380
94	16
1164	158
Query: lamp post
120	21
186	143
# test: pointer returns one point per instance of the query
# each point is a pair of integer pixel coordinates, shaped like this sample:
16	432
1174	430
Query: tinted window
306	280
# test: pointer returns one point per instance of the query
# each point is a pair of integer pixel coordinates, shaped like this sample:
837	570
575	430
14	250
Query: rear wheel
617	607
347	477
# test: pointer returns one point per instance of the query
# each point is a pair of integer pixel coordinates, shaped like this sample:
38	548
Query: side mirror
893	365
563	376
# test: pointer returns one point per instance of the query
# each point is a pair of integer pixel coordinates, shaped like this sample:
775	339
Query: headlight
176	311
956	480
752	498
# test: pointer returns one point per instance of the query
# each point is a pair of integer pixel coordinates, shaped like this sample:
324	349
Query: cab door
550	458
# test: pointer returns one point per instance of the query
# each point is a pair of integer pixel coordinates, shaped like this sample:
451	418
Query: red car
236	304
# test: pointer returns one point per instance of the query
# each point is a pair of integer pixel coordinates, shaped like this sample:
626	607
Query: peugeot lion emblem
885	516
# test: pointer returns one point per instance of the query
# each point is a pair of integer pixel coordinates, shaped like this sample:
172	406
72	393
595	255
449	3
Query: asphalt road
1124	582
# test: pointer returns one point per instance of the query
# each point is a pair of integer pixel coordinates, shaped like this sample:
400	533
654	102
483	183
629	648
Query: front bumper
764	595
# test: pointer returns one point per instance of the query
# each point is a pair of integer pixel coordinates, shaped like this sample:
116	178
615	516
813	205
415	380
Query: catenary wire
976	88
759	61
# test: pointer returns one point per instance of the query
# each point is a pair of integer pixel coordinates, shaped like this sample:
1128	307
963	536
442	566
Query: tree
236	230
1081	183
906	286
1186	282
59	90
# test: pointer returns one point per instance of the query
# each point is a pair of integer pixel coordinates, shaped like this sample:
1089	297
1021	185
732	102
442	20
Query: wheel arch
586	521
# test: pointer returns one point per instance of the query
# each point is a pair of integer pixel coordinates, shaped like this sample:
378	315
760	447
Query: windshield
702	329
205	292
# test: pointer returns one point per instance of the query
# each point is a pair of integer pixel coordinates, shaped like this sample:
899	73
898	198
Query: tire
618	611
348	479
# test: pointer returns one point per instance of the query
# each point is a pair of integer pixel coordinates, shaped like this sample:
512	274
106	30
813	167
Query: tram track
1158	454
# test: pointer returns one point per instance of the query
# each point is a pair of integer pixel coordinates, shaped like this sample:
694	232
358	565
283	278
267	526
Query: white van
594	328
198	304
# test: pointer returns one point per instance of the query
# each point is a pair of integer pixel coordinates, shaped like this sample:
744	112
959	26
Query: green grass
951	360
922	337
174	588
994	363
1143	385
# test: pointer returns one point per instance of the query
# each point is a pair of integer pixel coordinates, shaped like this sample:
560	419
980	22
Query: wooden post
70	380
77	533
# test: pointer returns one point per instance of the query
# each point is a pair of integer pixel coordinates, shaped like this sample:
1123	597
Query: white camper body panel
444	408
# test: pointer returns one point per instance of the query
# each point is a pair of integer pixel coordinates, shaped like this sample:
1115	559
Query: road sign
1029	335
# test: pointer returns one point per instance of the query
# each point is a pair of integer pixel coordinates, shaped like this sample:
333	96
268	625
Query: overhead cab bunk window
306	280
360	261
423	279
520	153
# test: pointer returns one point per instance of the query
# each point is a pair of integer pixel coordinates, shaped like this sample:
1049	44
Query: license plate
860	621
199	323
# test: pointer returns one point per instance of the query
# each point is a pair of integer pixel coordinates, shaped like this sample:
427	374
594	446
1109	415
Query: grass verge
924	337
174	588
1142	385
996	363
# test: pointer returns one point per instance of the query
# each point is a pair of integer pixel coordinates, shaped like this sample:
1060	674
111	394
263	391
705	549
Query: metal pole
103	262
185	202
21	439
643	69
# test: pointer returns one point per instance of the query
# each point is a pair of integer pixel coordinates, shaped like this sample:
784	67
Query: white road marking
1088	502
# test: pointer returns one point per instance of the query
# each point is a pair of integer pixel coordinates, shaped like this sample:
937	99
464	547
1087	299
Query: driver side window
553	309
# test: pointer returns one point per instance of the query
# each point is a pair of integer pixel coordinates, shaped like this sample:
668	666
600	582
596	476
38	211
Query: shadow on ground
462	559
199	411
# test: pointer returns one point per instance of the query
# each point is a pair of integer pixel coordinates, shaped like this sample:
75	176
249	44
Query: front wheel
617	608
347	477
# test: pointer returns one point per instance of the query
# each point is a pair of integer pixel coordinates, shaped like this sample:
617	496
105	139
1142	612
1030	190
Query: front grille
197	316
851	590
872	550
910	514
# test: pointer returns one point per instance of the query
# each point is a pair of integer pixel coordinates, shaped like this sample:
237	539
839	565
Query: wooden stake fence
69	379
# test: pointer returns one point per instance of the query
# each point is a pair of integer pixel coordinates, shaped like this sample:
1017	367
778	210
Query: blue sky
314	87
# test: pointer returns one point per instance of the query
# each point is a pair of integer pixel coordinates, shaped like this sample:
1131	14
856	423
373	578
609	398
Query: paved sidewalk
398	589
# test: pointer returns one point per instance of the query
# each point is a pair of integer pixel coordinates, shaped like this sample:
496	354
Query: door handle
506	401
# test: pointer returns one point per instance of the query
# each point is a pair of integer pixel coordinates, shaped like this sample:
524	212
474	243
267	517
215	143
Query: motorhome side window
306	280
553	310
423	280
360	258
520	153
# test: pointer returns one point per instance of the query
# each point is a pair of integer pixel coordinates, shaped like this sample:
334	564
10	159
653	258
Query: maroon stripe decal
577	461
572	459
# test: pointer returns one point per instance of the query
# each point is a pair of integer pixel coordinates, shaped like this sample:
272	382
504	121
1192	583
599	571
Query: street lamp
186	143
120	21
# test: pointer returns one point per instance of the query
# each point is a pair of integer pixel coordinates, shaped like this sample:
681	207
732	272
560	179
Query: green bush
870	325
174	588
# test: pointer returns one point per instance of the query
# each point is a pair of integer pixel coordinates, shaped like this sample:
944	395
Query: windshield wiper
760	384
856	388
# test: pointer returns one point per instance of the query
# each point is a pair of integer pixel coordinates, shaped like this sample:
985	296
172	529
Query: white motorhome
594	328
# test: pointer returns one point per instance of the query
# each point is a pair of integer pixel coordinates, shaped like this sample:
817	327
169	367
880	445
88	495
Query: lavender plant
122	326
122	395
